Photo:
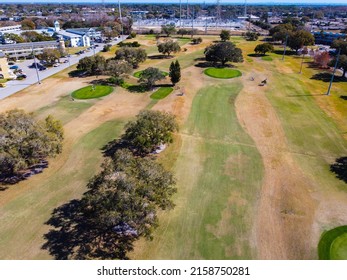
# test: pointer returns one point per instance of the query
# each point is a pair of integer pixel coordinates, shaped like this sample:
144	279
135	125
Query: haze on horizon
250	2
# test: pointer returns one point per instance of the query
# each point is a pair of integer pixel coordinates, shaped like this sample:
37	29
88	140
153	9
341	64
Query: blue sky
191	1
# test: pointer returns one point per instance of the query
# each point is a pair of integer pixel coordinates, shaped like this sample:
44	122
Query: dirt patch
285	211
38	96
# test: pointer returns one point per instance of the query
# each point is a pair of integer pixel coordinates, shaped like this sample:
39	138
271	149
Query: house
4	71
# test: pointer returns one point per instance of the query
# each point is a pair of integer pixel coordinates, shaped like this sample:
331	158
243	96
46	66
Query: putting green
222	73
338	250
333	244
89	92
162	93
138	73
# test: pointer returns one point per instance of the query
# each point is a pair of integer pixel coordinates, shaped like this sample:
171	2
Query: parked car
66	61
2	85
14	67
21	76
56	64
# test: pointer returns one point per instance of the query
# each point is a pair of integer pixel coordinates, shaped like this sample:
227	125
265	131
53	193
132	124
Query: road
15	85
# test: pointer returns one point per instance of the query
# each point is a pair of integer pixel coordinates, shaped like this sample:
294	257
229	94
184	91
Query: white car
56	64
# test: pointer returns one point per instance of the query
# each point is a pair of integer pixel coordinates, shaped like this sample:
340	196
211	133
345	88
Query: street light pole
37	71
332	77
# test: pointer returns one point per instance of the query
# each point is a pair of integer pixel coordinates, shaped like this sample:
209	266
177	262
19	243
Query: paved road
15	85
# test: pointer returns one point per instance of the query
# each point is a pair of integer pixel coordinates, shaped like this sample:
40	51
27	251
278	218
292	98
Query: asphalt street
17	85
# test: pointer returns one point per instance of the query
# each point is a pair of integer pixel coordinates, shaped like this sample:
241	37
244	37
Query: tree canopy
168	29
224	35
175	72
264	48
223	52
342	64
280	31
168	47
251	36
299	39
151	75
92	65
340	44
149	130
50	56
25	141
116	68
132	55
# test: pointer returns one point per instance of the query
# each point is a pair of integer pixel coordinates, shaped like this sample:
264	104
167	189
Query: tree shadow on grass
256	55
344	97
77	74
22	175
326	77
288	52
160	56
137	88
207	64
74	237
340	168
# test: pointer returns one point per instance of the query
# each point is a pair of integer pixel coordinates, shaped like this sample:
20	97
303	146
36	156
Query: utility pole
120	17
219	14
37	70
180	13
285	47
192	23
332	77
187	12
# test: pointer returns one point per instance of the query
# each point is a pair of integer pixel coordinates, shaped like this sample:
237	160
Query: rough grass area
139	73
162	93
222	73
333	244
91	92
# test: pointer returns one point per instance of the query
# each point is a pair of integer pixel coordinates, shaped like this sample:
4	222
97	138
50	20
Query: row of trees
296	38
25	141
122	201
126	59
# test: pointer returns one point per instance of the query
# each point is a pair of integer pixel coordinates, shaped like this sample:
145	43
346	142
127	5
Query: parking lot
32	77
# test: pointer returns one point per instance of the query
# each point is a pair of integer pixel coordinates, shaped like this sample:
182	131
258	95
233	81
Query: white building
10	29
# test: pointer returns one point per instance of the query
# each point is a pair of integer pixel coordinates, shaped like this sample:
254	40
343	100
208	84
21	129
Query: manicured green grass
222	73
219	174
333	244
138	74
266	58
89	92
162	93
338	250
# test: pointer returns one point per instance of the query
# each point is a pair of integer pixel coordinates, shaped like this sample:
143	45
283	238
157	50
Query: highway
16	85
